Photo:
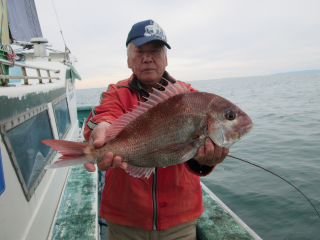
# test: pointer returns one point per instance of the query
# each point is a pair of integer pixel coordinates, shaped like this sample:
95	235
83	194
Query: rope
10	54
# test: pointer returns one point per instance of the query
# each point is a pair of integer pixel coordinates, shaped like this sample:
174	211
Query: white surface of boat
30	215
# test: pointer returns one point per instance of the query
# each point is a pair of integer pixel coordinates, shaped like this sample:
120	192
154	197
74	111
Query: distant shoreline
305	71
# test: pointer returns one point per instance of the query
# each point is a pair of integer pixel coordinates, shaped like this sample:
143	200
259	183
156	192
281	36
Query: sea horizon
284	73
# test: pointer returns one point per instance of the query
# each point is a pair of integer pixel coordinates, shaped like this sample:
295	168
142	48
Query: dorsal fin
154	99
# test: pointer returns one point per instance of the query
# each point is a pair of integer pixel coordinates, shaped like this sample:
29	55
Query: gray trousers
184	231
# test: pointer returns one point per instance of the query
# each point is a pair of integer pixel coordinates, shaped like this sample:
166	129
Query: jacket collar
136	85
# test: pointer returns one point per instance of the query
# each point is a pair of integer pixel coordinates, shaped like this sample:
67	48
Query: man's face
148	62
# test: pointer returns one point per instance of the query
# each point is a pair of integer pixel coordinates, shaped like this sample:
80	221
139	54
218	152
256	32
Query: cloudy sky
210	39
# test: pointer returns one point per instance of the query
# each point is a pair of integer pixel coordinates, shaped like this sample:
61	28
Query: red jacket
170	197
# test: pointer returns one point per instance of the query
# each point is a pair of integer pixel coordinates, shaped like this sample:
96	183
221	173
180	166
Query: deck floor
77	214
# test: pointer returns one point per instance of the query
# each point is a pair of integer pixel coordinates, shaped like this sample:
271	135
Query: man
166	205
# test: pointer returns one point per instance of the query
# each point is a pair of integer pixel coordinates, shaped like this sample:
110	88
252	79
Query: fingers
106	162
225	152
206	153
89	167
200	154
211	154
111	161
99	134
124	165
210	150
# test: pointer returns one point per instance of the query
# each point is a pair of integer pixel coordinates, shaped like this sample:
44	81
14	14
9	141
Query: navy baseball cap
146	31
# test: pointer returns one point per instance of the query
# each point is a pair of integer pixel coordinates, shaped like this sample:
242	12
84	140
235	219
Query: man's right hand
98	139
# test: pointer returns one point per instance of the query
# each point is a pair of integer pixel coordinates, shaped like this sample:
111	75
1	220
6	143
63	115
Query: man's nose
147	57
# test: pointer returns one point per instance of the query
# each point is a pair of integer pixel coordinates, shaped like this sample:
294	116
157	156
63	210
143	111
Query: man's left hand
210	154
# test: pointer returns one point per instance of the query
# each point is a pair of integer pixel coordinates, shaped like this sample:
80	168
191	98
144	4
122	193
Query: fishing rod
278	177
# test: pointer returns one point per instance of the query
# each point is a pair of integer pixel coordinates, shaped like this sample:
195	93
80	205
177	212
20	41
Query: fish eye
230	114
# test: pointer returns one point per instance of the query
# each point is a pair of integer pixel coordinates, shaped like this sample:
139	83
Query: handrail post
48	73
24	73
39	75
4	81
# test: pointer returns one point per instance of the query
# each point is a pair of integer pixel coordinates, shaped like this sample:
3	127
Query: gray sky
209	39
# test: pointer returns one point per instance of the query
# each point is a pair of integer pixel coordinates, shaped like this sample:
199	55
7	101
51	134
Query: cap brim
140	41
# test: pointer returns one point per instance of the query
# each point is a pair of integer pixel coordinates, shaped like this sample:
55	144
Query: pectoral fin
191	150
188	149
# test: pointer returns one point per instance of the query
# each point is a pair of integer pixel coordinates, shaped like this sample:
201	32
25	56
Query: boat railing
24	76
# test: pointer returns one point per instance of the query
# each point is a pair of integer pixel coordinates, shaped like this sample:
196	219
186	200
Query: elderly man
166	205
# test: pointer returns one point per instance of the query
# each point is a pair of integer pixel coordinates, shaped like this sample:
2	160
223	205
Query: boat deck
219	222
77	215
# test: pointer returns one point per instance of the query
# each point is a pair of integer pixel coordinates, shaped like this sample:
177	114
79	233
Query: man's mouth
148	69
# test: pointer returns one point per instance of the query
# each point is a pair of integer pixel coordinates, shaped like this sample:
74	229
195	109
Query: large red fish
165	130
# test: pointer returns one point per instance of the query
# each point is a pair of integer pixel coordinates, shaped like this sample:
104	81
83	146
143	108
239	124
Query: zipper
154	200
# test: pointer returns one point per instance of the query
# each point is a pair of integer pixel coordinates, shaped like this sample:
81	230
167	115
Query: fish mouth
246	129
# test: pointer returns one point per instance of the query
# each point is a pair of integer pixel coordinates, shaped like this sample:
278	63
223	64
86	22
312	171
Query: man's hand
97	139
210	154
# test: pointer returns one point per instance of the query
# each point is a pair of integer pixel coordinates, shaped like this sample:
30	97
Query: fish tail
72	153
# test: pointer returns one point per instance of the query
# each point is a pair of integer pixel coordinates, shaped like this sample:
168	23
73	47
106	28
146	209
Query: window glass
62	115
30	153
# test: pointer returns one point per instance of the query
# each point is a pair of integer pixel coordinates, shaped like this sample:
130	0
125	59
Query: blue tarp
2	184
23	20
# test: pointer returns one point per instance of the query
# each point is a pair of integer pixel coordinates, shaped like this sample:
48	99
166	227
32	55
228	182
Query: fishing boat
38	101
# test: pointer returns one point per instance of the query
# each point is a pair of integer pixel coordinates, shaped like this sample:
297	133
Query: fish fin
66	161
189	155
73	152
182	145
191	150
66	148
121	122
174	89
139	171
154	99
187	149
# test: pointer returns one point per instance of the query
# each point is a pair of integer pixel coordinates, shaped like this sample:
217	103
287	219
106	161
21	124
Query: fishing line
278	177
59	23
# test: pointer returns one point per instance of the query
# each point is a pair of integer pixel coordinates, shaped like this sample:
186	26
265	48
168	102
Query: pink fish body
165	130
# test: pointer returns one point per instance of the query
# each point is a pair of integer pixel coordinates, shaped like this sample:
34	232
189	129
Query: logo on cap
155	30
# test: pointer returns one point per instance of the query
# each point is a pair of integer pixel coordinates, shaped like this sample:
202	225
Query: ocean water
285	139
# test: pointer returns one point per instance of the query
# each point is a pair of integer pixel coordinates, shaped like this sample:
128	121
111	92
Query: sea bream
165	130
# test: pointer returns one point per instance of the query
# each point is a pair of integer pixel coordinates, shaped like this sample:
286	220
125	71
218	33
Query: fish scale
158	134
165	130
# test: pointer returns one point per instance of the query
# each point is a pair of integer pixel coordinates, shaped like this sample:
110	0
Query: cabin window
61	112
22	135
30	153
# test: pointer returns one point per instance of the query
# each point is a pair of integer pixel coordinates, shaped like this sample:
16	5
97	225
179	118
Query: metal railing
24	76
